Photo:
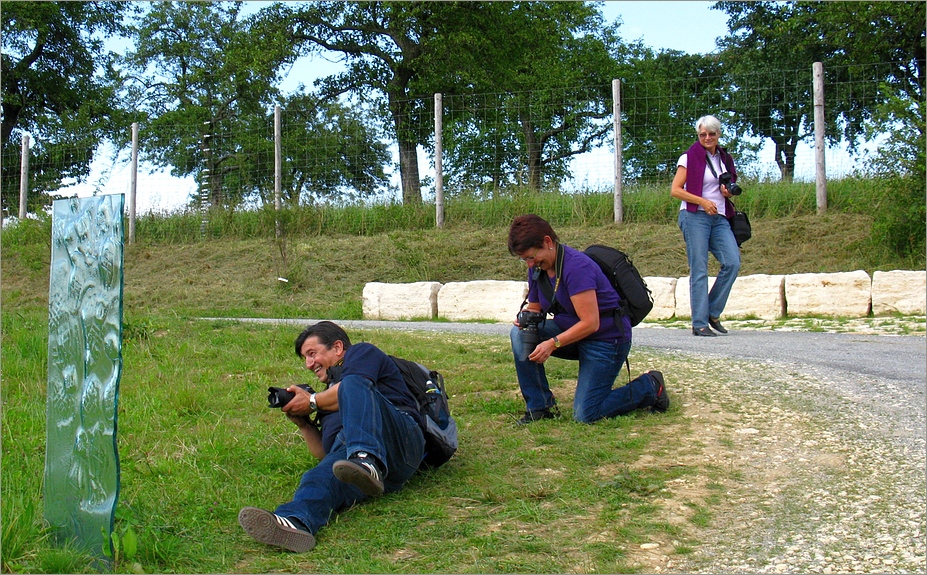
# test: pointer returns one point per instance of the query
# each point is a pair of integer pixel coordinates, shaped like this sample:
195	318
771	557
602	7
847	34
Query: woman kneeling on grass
585	327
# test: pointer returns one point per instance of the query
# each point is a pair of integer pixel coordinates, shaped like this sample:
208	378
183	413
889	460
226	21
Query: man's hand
301	421
299	405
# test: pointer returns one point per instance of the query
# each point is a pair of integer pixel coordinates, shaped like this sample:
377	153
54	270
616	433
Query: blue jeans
704	233
371	424
600	362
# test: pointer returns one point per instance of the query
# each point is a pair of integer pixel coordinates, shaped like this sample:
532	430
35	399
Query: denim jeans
371	424
600	362
704	233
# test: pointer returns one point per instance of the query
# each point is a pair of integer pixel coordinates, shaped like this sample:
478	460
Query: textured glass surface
84	367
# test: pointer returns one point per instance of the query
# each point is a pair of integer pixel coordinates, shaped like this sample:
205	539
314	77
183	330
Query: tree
849	38
58	85
766	100
352	156
204	76
536	53
383	44
550	66
663	94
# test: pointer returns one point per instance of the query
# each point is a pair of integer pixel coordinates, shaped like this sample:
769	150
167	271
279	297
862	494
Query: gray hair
710	123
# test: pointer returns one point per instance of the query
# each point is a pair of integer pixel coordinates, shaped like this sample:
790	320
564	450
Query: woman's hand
586	305
543	351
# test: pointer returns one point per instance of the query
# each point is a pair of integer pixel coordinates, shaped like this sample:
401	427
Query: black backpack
636	301
617	266
440	428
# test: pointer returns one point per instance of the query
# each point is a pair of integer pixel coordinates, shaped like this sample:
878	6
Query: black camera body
278	396
528	324
732	187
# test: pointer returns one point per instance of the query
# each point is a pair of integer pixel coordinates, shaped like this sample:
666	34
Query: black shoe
703	331
360	470
662	403
272	529
716	325
531	416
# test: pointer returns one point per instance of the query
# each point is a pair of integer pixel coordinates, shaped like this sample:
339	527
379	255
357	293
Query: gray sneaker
272	529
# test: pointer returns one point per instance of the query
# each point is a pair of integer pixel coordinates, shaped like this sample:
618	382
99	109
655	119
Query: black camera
528	324
278	396
732	187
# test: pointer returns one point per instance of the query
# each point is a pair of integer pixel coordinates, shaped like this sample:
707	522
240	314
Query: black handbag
740	225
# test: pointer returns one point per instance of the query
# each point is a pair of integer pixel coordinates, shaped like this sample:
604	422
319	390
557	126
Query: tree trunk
408	152
785	158
533	149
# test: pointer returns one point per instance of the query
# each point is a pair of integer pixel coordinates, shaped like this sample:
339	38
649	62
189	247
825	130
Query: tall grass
649	203
642	203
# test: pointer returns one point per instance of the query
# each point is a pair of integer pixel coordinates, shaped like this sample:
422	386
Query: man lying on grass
369	438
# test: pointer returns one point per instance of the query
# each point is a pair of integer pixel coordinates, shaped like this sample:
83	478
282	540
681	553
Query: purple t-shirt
581	274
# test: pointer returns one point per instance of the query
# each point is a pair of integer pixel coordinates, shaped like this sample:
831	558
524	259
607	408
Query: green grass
197	442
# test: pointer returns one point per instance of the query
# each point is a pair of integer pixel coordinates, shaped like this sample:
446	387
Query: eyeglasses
704	135
531	257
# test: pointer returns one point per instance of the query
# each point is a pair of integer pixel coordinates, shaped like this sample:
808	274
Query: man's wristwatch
556	342
312	404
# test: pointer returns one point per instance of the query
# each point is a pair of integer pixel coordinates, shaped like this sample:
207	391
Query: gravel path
815	439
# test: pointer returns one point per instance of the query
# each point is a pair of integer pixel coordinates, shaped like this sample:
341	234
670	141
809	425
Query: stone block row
848	294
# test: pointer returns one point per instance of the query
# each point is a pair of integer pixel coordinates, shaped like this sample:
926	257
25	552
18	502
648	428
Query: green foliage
860	45
198	65
546	70
901	215
121	545
663	95
59	87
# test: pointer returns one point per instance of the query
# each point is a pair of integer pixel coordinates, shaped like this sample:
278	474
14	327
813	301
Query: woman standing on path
703	220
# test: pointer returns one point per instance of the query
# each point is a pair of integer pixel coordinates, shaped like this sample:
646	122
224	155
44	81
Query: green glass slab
84	369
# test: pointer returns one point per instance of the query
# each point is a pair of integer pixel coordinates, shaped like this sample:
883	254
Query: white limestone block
899	291
846	294
758	295
388	301
481	300
683	307
663	291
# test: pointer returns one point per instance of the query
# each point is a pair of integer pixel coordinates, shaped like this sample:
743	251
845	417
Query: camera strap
711	166
714	173
543	280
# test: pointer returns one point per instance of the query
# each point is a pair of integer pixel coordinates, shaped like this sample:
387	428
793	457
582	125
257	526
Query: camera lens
278	397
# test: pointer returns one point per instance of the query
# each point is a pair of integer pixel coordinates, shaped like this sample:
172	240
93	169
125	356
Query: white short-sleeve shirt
711	188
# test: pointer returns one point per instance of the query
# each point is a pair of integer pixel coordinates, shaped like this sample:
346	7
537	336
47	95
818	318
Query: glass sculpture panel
84	368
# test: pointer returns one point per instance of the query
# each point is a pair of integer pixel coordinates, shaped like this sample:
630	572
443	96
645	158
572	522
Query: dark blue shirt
368	361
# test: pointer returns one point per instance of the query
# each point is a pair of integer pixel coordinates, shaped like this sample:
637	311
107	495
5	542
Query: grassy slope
327	274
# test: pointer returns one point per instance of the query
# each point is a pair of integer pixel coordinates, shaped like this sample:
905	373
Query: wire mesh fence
544	140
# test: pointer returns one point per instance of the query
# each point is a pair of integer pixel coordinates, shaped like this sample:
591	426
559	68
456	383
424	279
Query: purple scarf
696	164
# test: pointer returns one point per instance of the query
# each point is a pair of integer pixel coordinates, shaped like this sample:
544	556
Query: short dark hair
528	231
326	332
